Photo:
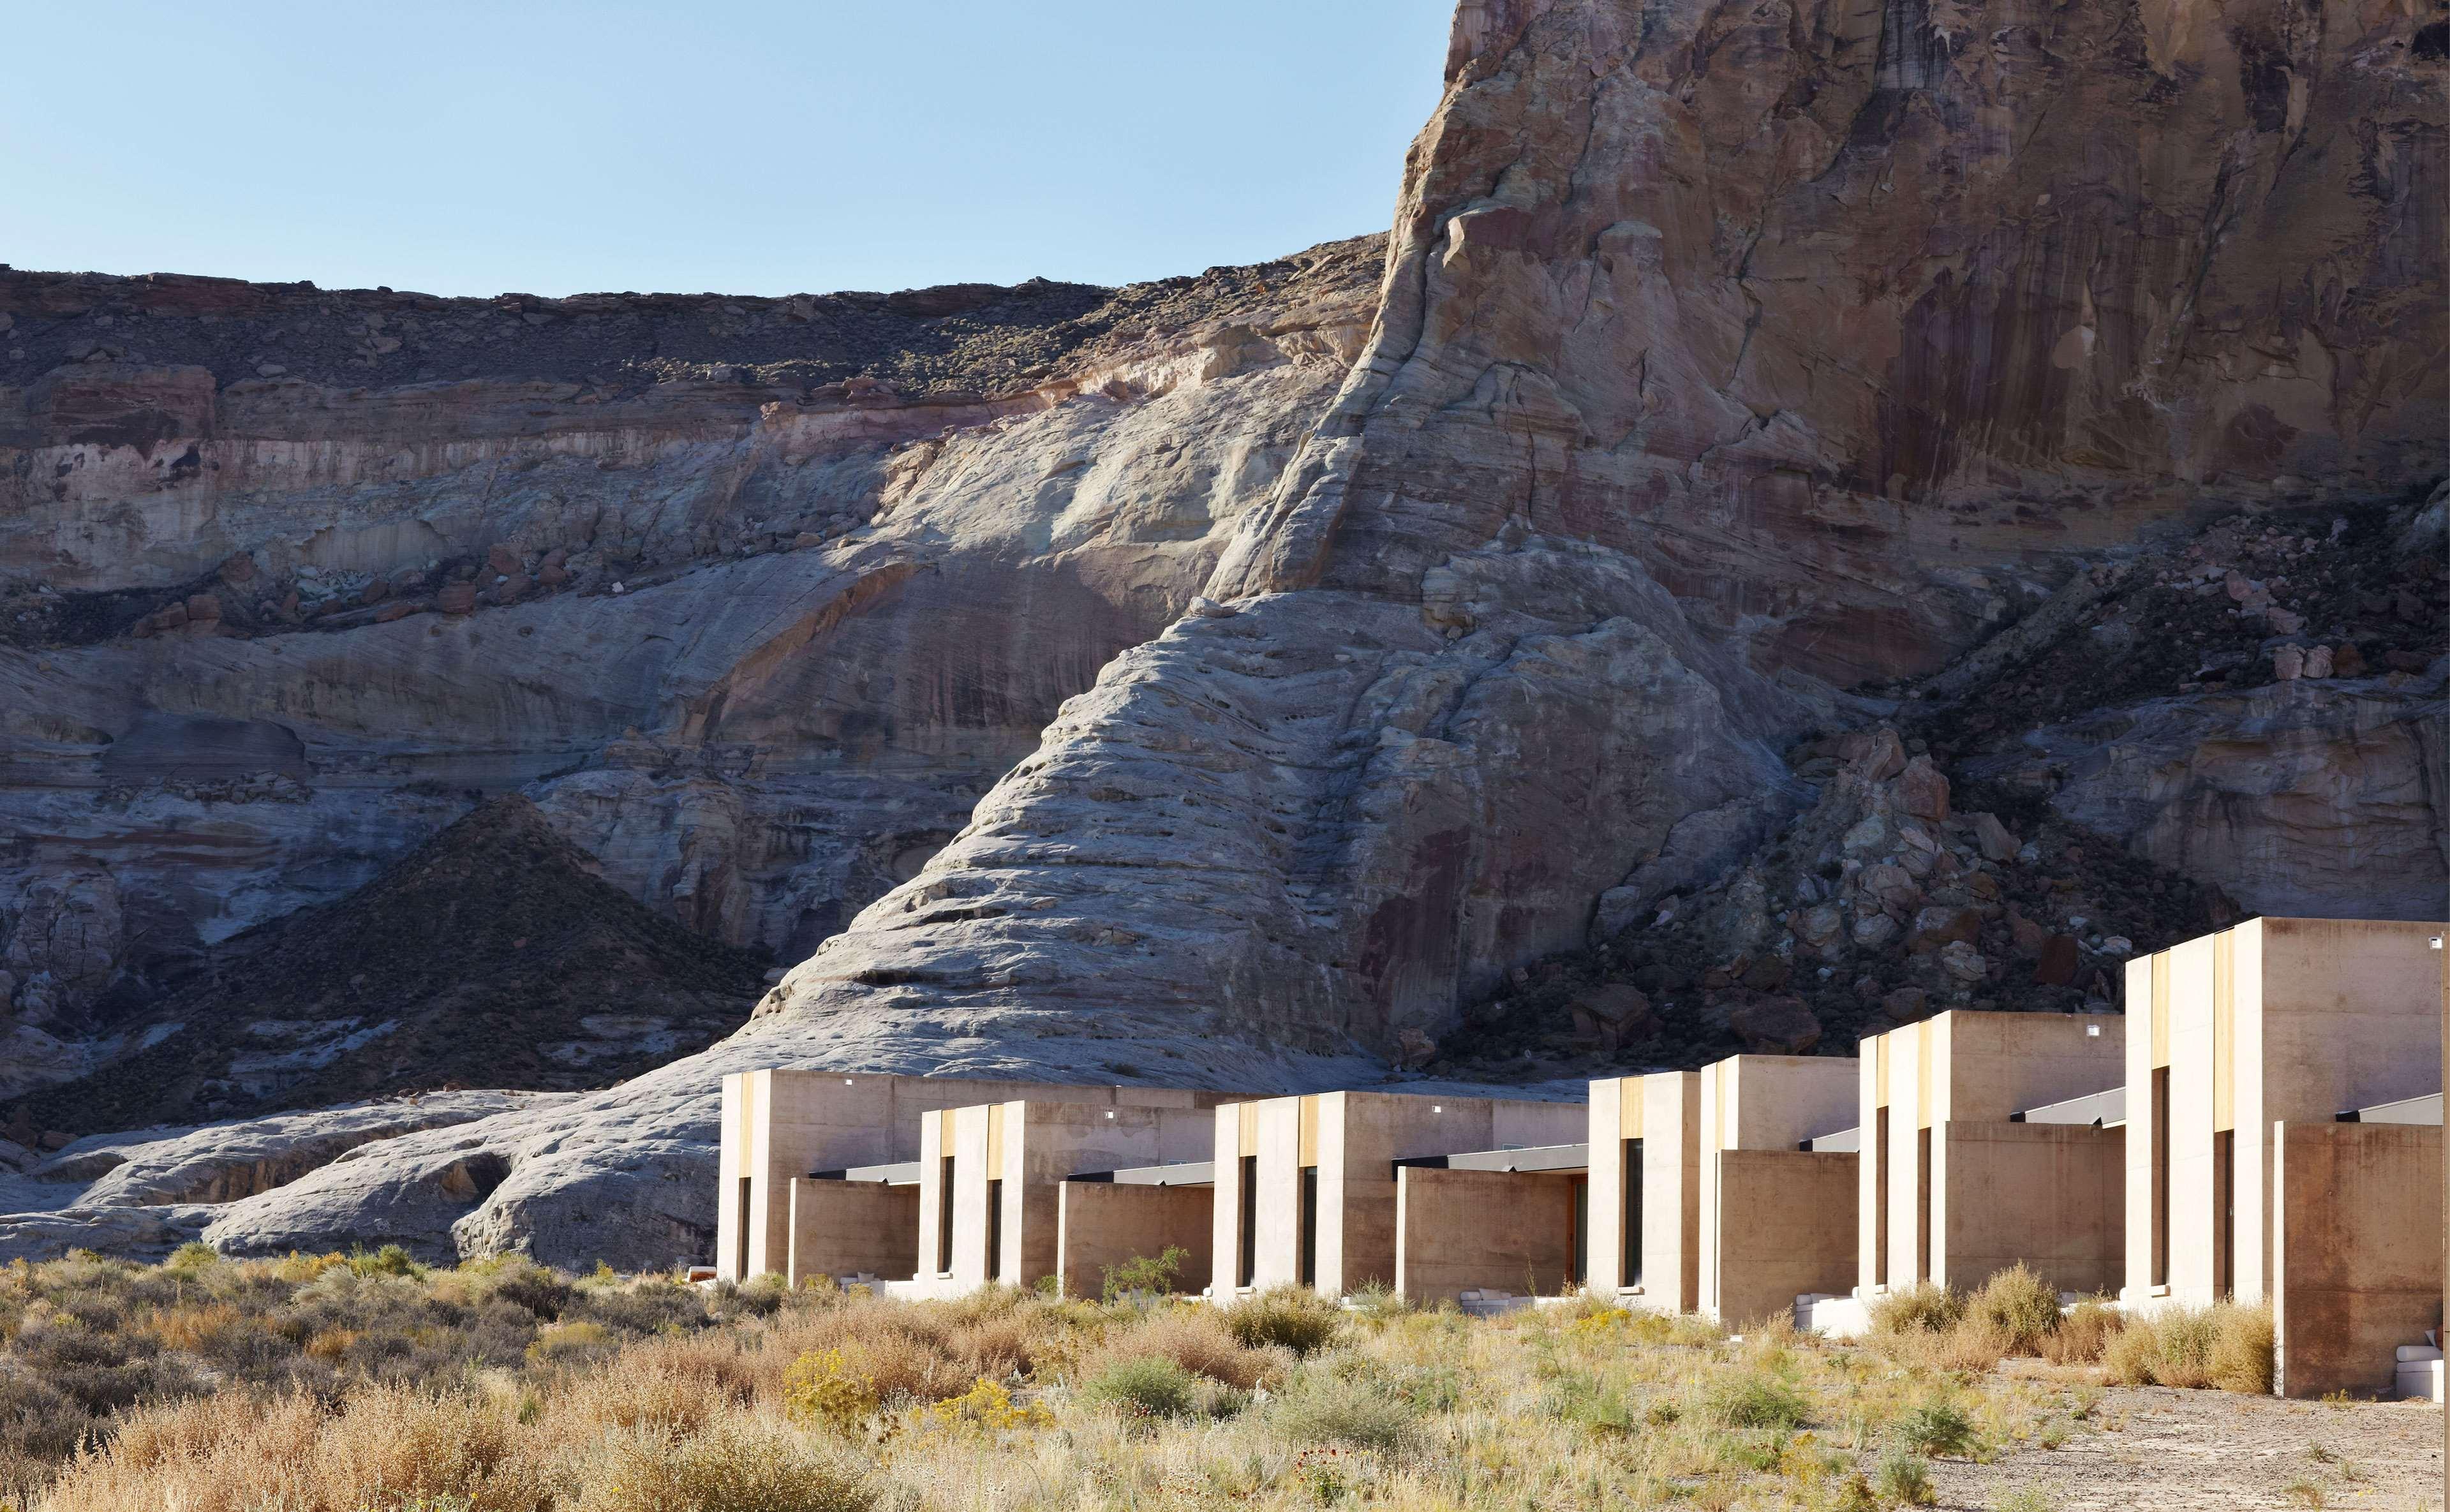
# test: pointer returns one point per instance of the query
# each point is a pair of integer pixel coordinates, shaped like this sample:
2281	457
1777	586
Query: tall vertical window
1577	1267
944	1215
1880	1199
1631	1269
994	1230
1247	1272
1309	1226
2225	1212
740	1261
2160	1176
1923	1205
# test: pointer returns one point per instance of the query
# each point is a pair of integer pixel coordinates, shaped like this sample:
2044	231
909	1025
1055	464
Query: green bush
1935	1428
1320	1407
1758	1402
1925	1309
2020	1305
1904	1478
1144	1273
391	1260
1295	1318
1149	1386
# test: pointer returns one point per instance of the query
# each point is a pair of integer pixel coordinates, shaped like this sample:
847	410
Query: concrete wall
2279	1020
1785	1222
1029	1147
1664	1110
1106	1223
777	1124
1958	1076
1460	1230
852	1227
2356	1267
1352	1138
1768	1104
2049	1196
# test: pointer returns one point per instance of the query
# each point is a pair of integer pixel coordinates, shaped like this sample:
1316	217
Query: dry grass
2225	1345
616	1395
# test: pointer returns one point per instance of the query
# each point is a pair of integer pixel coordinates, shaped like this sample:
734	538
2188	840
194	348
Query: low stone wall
2051	1195
2356	1253
1107	1223
1786	1227
852	1227
1457	1231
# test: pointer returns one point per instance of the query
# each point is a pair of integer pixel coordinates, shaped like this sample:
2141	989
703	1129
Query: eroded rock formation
1734	374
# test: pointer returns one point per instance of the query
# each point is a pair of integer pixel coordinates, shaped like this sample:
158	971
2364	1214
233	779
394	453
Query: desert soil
2148	1448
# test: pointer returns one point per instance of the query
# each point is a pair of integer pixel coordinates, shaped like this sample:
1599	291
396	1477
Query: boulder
1906	1005
2057	965
1964	964
1939	924
1997	844
1922	791
1612	1017
1873	755
1774	1025
457	598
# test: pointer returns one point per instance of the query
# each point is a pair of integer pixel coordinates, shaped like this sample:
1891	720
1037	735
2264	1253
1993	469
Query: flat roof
1529	1157
2105	1108
2425	1110
1177	1173
900	1173
1845	1141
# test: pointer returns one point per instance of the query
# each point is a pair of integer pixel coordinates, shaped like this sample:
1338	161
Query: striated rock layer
1724	358
1731	370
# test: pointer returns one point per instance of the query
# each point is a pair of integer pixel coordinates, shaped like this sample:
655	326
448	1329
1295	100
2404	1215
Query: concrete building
1990	1139
1645	1191
1776	1176
1728	1191
781	1128
2264	1065
1310	1192
993	1180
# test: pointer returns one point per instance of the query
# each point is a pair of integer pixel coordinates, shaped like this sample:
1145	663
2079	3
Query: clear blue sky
750	147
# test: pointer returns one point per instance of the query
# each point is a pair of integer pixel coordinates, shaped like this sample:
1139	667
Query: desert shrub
1143	1273
740	1464
2225	1345
2242	1353
1905	1480
638	1394
829	1390
1756	1400
1595	1407
1319	1406
1935	1428
1925	1309
1198	1341
1293	1318
389	1445
2020	1306
191	1257
1149	1386
566	1343
2083	1333
391	1260
987	1407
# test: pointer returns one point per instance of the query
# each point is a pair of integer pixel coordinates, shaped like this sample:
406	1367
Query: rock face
489	954
1729	373
1721	360
754	597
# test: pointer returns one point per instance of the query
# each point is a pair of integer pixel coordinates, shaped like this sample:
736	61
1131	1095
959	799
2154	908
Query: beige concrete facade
1475	1231
1110	1223
1644	1211
847	1230
990	1179
1950	1190
1776	1221
1306	1186
778	1125
2357	1228
2276	1022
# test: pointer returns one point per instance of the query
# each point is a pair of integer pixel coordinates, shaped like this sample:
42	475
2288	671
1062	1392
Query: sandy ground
2145	1448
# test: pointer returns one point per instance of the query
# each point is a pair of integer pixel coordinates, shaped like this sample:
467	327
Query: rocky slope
1739	379
489	956
751	597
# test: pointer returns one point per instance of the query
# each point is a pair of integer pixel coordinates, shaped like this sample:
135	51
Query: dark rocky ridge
489	957
978	338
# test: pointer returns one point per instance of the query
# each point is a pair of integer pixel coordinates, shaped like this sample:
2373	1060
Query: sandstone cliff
1737	378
